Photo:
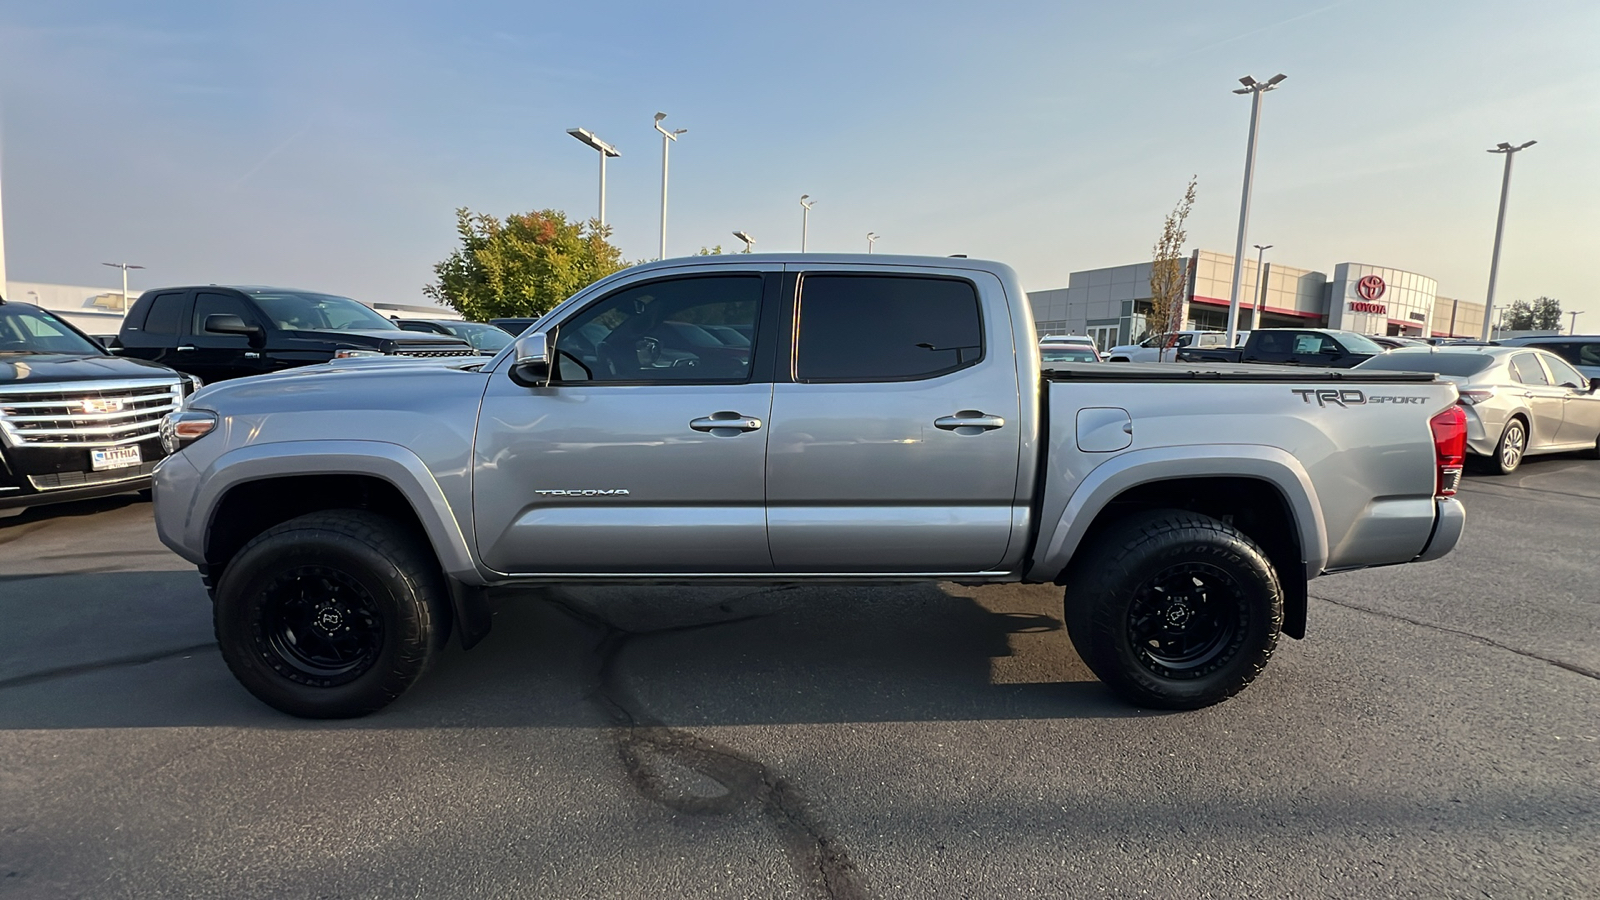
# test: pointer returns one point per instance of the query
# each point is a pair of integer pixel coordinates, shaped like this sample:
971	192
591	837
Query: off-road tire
1214	581
295	591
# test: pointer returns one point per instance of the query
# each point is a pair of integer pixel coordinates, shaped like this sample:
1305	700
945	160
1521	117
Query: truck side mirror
1594	384
530	360
228	323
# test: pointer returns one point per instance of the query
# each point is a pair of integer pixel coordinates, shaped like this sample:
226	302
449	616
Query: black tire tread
1094	626
411	559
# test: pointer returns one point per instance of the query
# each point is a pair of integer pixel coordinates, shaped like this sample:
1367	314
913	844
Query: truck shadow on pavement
586	657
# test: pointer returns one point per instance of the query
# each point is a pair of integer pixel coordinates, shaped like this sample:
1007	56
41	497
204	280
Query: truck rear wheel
331	615
1174	610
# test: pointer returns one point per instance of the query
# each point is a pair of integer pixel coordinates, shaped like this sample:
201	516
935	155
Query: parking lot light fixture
871	239
805	218
1255	89
124	267
1572	324
748	240
606	150
666	136
1499	228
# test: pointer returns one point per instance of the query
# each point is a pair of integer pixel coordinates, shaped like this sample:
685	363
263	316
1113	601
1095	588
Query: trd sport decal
1349	397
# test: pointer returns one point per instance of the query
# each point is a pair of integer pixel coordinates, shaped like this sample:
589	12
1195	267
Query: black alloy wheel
318	626
1185	619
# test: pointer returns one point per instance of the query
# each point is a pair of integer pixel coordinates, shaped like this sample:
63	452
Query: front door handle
969	419
725	423
183	348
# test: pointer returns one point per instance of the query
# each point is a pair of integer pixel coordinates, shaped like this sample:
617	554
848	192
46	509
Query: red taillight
1449	448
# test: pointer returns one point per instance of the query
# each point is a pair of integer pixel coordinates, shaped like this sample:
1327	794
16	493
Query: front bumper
34	476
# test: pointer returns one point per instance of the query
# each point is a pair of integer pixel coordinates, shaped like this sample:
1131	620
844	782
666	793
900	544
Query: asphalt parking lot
1437	735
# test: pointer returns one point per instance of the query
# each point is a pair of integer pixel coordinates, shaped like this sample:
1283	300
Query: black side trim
472	614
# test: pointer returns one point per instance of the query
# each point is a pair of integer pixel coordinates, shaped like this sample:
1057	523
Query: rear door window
1561	373
1526	369
166	314
861	328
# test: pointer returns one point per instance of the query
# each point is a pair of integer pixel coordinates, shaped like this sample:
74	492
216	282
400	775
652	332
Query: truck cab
218	333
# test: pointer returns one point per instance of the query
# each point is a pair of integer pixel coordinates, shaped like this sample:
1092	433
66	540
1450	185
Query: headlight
185	427
352	354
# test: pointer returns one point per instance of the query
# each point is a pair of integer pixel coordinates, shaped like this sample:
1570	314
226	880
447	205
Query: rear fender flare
1129	470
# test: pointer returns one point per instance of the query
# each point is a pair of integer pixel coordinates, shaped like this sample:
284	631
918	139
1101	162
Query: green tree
1167	266
522	266
1519	316
1547	314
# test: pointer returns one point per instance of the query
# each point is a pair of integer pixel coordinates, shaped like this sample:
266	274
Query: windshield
1068	354
479	335
300	311
1459	365
28	329
1357	343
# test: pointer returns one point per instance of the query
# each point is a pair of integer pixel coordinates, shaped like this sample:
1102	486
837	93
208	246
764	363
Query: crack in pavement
85	668
1491	642
645	743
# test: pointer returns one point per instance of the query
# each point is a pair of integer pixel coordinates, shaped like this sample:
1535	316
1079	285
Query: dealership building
1111	304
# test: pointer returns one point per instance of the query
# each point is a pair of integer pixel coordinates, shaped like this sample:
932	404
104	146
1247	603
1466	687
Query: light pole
1255	89
748	240
1572	325
606	150
1499	227
1261	285
871	239
805	218
124	267
665	137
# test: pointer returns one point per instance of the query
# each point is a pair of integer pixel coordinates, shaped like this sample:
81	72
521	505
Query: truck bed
1251	373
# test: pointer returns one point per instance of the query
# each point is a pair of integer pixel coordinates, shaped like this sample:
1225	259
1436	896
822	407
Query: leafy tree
1167	266
1547	314
522	266
712	251
1519	316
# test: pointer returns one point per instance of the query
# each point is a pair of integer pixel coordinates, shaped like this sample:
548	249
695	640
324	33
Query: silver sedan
1519	400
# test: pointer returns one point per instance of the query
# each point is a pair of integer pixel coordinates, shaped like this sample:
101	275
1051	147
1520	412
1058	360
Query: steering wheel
649	351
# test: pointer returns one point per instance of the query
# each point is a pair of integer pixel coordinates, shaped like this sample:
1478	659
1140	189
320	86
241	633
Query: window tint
662	332
1525	368
1461	365
886	328
220	305
1561	373
166	312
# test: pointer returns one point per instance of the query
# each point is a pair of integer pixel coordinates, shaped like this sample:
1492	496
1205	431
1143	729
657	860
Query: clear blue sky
326	144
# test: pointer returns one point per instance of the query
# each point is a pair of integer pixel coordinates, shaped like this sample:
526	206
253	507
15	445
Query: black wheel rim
1187	620
318	626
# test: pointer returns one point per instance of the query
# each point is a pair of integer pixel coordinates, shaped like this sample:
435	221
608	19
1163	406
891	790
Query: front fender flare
379	459
1060	539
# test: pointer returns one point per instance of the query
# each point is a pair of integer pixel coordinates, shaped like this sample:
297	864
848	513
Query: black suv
486	339
218	332
75	422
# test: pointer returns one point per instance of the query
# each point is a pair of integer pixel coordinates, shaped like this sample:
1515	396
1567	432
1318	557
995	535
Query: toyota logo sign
1370	287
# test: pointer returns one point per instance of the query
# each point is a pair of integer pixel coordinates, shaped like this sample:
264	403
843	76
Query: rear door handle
185	347
969	418
725	423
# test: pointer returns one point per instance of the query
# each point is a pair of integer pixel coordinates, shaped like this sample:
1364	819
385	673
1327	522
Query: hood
387	377
381	337
46	368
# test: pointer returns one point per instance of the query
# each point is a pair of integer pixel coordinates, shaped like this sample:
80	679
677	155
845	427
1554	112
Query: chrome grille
464	351
97	414
57	480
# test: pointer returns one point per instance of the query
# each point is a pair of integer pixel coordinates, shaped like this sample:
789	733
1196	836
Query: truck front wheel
1174	610
332	614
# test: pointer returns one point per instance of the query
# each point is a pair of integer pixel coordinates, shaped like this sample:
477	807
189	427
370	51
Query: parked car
513	326
1520	401
75	421
889	422
1581	350
218	332
486	339
1322	347
1164	347
1392	342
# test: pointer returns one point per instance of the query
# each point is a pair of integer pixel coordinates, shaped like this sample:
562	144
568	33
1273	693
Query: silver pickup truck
790	419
